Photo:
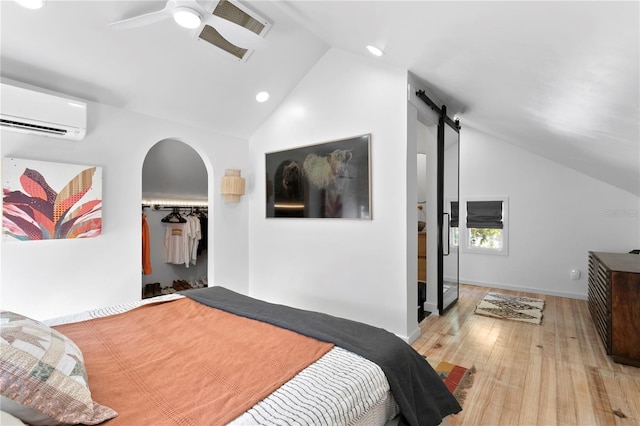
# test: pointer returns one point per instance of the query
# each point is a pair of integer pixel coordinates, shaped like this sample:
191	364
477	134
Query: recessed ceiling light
375	51
186	17
262	97
31	4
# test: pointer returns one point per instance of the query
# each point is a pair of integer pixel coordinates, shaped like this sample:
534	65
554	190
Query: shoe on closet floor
148	291
180	285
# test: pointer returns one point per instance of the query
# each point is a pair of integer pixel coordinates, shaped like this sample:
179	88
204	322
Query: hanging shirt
146	247
204	231
176	243
196	235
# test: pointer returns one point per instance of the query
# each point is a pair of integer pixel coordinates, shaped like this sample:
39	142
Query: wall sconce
232	186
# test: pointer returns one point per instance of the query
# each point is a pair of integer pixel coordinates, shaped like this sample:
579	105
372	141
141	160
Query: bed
213	356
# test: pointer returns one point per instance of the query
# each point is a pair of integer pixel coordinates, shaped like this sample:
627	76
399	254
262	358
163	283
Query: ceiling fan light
375	50
187	18
31	4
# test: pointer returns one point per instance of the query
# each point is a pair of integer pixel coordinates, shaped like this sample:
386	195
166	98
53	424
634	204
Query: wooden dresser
422	274
614	303
422	257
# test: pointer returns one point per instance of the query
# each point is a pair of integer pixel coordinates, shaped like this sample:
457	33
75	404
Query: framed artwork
43	200
325	180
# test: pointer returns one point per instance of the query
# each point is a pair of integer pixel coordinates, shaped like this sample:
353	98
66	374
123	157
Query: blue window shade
484	214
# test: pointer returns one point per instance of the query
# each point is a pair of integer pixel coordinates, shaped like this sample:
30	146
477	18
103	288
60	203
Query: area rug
515	308
458	379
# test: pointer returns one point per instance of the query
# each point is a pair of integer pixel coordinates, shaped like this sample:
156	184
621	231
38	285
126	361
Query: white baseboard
412	337
525	289
431	307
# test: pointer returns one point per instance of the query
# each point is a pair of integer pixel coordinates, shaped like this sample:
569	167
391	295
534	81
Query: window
486	225
453	229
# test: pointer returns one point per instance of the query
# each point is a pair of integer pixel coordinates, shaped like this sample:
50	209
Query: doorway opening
174	219
441	146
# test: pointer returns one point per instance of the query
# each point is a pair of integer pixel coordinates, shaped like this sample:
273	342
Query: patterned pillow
42	372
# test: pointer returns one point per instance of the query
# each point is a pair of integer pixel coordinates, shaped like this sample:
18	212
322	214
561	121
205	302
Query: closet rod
454	124
173	206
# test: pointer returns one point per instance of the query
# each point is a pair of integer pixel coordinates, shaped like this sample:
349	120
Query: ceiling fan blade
141	20
234	33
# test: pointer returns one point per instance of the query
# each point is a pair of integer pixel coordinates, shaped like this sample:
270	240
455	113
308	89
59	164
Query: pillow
43	380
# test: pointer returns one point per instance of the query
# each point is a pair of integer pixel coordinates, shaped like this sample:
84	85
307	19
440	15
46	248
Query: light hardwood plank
547	394
581	395
599	399
631	388
529	407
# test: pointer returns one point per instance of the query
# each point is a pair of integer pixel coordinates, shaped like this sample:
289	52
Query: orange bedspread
184	363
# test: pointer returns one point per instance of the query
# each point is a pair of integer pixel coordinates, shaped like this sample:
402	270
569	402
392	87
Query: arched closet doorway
174	211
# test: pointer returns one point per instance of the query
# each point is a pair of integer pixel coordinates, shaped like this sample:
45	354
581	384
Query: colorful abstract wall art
44	200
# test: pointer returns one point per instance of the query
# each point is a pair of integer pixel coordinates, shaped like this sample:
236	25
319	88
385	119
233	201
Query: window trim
464	234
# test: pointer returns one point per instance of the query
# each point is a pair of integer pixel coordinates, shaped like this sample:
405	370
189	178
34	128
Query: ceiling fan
190	14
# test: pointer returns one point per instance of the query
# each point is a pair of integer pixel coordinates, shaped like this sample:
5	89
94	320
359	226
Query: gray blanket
419	391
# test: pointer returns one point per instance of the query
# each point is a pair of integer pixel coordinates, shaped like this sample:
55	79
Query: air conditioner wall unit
29	110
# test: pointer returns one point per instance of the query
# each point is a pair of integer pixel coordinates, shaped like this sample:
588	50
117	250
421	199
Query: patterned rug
458	379
515	308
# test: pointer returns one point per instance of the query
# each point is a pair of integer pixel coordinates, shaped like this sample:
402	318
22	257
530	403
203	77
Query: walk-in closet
175	217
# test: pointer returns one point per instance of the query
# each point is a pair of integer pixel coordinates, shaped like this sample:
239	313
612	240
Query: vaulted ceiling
560	79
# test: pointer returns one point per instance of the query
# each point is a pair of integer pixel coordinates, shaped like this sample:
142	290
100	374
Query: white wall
350	268
44	279
556	215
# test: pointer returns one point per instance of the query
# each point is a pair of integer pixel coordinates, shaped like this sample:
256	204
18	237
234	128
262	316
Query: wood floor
556	373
